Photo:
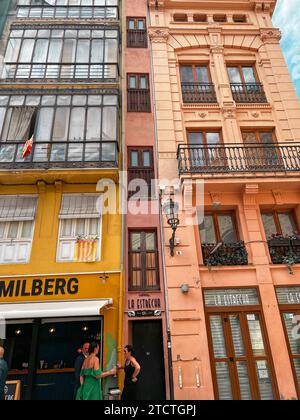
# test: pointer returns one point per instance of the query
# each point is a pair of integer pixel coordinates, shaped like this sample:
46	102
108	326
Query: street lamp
170	209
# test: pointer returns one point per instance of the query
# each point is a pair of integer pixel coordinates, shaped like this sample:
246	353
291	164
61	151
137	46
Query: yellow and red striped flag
27	148
86	250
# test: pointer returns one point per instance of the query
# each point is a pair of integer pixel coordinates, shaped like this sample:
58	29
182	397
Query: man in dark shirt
78	365
3	373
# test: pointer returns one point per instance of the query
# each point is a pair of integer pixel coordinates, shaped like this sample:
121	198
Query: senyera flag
27	148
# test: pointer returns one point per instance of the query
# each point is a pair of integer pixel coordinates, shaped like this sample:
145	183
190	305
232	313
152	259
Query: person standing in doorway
91	375
3	374
132	370
84	353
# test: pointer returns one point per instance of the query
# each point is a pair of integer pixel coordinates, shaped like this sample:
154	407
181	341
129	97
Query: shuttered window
17	216
80	218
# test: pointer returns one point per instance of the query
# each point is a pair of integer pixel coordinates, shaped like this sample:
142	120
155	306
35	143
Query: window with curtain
67	53
80	218
17	218
279	223
217	227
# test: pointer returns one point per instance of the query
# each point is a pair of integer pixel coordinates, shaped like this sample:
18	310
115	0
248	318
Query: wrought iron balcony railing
67	12
234	158
226	254
105	72
144	174
52	155
198	93
138	100
284	251
137	38
248	93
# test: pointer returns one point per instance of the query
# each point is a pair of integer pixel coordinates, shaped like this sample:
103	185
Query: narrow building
228	121
60	138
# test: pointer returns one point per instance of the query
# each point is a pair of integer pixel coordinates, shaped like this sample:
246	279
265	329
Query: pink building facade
228	117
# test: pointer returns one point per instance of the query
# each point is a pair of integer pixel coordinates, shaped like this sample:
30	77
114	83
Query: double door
240	357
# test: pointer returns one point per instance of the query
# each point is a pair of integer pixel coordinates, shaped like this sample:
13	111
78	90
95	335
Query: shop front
47	320
239	349
289	304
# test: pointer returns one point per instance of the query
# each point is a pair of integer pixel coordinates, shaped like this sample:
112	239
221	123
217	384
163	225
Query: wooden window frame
239	18
180	18
206	131
220	18
142	96
215	215
240	66
136	21
140	168
203	18
142	269
258	132
194	67
276	213
136	38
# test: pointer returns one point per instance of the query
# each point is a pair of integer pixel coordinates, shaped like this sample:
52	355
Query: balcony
284	250
146	175
194	93
226	254
138	100
47	11
104	72
248	93
54	155
234	158
137	38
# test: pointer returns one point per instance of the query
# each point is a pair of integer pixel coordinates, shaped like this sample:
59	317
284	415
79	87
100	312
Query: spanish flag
27	148
86	250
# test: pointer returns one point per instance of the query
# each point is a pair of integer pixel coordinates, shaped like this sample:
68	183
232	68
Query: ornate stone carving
250	195
156	4
229	112
270	36
159	35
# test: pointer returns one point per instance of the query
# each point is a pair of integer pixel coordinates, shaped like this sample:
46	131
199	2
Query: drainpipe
161	220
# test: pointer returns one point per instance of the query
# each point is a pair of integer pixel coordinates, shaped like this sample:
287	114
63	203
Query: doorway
41	354
147	339
240	356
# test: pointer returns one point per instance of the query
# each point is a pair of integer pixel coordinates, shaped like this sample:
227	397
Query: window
80	219
195	74
79	127
17	215
143	261
200	18
261	150
138	93
239	18
136	33
196	84
220	18
218	227
242	74
245	84
140	167
67	53
180	18
206	150
68	9
279	223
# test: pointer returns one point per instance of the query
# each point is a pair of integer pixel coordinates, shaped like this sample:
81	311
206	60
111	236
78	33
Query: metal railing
137	38
226	254
198	93
248	93
61	71
138	100
284	251
238	158
67	12
50	155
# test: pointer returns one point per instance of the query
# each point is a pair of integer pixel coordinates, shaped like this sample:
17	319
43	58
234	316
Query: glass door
291	321
240	361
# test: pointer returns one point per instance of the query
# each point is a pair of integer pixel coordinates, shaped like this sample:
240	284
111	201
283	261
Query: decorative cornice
270	36
156	4
159	35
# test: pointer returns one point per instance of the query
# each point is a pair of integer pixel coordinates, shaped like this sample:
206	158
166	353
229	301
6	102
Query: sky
287	18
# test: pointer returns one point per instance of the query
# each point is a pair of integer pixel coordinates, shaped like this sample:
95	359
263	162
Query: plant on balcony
279	240
227	254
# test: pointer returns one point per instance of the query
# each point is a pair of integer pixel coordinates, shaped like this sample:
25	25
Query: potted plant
295	239
279	240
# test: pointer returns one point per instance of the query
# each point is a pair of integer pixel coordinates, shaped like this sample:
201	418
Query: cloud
287	18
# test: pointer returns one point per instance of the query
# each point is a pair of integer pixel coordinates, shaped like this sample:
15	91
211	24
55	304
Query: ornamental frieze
159	35
270	36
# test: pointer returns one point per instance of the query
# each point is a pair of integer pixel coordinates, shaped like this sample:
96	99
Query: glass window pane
13	230
12	51
287	223
40	51
249	75
264	380
26	230
234	75
111	51
224	382
131	24
143	82
257	342
55	50
141	24
134	159
243	375
69	51
97	51
26	51
132	82
136	241
292	324
61	124
213	139
227	229
66	230
77	124
93	124
94	227
202	74
44	124
196	138
297	370
2	229
249	137
80	227
83	51
266	137
218	338
269	224
186	73
207	231
109	123
150	242
237	336
146	159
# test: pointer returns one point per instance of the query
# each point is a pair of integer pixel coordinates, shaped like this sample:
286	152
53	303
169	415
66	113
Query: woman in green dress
91	375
